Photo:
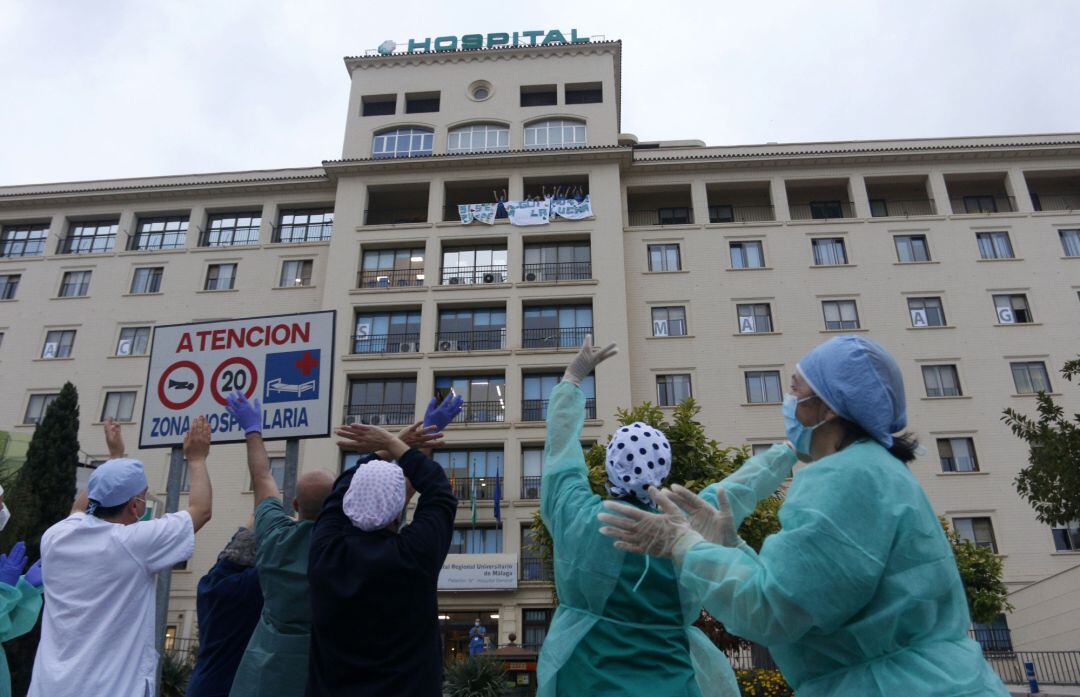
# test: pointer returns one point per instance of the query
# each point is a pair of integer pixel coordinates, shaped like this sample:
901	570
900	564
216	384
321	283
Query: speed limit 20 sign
286	361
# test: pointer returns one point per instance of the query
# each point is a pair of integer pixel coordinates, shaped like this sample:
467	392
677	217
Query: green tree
41	495
1051	481
980	570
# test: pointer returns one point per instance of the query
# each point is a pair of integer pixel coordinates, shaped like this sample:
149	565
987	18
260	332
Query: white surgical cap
375	496
638	457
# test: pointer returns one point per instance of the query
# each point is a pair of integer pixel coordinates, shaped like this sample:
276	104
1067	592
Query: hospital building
714	267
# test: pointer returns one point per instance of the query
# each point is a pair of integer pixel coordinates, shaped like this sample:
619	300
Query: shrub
476	676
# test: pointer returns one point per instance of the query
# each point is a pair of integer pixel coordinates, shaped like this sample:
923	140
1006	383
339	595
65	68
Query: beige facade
832	231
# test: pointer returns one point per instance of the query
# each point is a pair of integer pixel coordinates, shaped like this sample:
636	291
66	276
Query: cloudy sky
115	88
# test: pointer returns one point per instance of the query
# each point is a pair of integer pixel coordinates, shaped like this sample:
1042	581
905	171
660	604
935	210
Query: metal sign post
292	463
164	581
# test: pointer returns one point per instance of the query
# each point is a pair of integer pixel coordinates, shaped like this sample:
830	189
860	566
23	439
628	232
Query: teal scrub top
607	638
276	659
19	609
858	594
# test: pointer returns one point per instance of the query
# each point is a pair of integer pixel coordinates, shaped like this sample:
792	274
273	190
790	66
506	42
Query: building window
422	103
387	332
119	405
35	408
669	321
535	625
391	268
1012	309
536	388
1030	377
941	381
673	389
584	93
977	530
829	251
75	284
995	245
134	341
169	232
23	240
957	455
533	567
9	285
1070	242
474	266
755	318
90	237
220	277
378	104
296	273
312	225
231	230
994	636
539	95
926	312
147	280
911	248
532	471
58	343
747	255
664	257
1067	538
476	540
381	401
479	137
472	329
980	204
823	210
402	142
277	471
840	315
556	326
763	387
759	449
555	133
557	261
484	395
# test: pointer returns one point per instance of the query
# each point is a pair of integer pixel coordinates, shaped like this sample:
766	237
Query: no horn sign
285	360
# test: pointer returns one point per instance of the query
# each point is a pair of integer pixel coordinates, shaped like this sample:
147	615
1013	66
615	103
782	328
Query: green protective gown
858	594
20	606
276	659
608	638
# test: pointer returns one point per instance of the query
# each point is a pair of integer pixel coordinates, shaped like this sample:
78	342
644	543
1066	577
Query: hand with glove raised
12	564
247	414
664	534
442	414
716	525
33	575
586	360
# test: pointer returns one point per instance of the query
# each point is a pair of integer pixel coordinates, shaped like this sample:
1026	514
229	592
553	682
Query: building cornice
505	158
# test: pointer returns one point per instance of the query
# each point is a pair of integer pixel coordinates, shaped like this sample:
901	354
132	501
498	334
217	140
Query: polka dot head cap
376	495
638	456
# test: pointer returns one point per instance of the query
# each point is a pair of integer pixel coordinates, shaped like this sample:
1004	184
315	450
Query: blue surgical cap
117	481
860	381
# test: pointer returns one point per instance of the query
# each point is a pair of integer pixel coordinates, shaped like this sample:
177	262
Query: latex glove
716	525
586	360
12	564
444	413
33	575
655	534
247	414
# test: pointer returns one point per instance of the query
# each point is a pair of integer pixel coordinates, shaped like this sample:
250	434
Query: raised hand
114	439
12	564
642	532
33	575
364	438
247	414
444	413
420	436
716	525
197	440
587	359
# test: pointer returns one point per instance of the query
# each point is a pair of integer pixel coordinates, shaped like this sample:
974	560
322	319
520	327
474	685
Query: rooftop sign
536	37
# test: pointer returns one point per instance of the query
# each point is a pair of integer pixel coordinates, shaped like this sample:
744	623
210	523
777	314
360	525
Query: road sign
285	360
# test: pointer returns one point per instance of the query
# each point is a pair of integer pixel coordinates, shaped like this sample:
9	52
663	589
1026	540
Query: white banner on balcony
479	572
479	212
529	212
571	209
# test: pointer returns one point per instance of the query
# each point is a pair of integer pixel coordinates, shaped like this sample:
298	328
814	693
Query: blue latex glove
12	564
247	414
444	413
33	575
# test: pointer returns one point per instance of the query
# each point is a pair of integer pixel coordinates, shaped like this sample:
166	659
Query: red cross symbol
306	363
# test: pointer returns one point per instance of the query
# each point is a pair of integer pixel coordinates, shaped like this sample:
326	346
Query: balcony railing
483	486
992	638
554	337
536	409
533	568
530	487
451	214
895	208
557	271
1051	667
296	233
473	275
679	215
388	343
976	205
394	216
476	340
741	214
380	414
95	244
1056	202
481	412
233	237
390	278
822	211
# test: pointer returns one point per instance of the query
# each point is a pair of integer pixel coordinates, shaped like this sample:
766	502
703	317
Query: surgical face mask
5	516
799	435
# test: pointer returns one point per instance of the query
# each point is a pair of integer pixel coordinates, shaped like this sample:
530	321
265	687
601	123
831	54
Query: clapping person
20	603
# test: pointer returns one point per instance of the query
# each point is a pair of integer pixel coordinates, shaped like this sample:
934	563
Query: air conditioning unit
489	278
409	347
50	350
532	276
376	419
448	345
124	347
454	281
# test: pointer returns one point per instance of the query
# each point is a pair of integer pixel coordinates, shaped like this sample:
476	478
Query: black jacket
228	606
374	597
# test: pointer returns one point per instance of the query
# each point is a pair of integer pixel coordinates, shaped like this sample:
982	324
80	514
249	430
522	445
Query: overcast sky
101	89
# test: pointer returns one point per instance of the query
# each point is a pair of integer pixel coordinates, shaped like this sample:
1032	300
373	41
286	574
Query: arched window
555	133
402	142
479	137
